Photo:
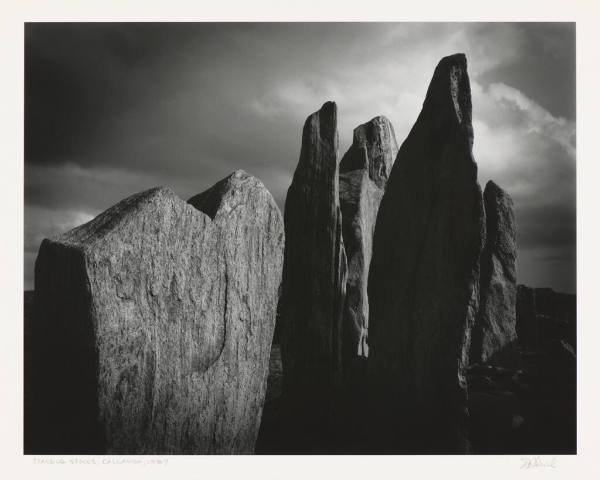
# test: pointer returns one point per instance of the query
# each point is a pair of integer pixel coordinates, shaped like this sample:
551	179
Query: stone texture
314	279
155	321
373	148
424	277
364	171
494	338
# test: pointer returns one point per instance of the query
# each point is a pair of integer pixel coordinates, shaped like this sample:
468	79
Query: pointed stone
314	277
155	323
373	148
494	338
364	171
424	277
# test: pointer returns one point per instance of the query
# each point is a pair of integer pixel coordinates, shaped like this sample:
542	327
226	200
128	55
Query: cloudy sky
113	109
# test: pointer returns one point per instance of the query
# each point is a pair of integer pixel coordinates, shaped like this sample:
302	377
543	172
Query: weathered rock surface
494	336
364	171
314	277
155	323
424	277
373	148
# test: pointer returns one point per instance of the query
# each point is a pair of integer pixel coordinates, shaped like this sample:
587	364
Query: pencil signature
537	462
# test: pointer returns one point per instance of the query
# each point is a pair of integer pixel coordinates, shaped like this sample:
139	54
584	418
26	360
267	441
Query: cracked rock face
159	316
424	277
373	149
314	273
494	334
364	171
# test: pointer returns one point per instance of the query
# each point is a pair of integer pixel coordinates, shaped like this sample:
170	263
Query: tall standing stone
424	277
364	171
494	338
155	322
314	278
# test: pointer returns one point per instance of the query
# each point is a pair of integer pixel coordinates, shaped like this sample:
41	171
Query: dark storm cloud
169	99
550	226
112	109
80	76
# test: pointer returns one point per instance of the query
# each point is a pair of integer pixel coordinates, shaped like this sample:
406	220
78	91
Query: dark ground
530	409
526	410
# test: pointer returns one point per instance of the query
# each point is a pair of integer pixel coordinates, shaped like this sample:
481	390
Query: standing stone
494	336
424	277
314	279
364	171
373	149
155	323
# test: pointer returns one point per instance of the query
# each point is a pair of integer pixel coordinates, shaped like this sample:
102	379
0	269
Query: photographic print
300	238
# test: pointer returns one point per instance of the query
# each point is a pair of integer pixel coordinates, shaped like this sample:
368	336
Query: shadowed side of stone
494	338
424	276
63	363
170	315
314	278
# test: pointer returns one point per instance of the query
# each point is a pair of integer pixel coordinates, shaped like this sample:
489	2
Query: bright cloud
522	146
